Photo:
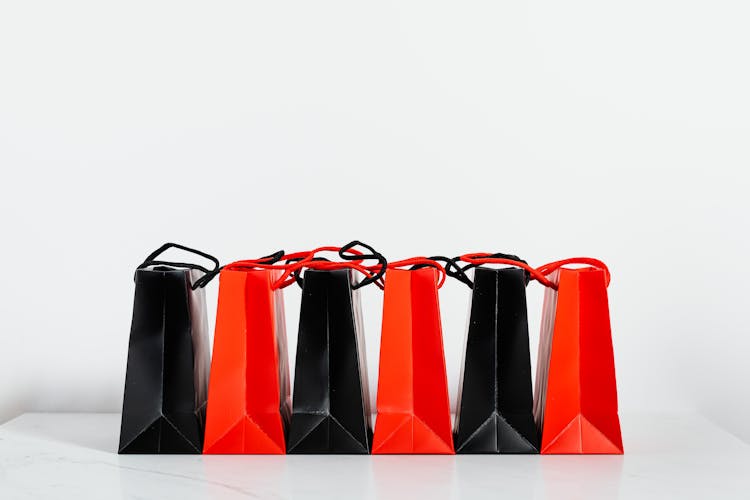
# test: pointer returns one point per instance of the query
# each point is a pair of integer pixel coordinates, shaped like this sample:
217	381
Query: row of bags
172	406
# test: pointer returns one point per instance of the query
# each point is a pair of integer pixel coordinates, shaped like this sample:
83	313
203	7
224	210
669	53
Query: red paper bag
412	400
248	394
575	401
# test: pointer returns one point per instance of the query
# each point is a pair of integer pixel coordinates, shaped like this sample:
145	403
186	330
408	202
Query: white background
617	130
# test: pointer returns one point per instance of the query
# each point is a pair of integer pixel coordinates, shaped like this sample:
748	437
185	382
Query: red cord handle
282	281
547	269
484	258
424	261
306	260
369	271
326	265
355	264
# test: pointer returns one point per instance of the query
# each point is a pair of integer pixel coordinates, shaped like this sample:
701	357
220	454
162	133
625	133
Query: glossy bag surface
413	412
248	398
494	410
576	393
330	411
164	401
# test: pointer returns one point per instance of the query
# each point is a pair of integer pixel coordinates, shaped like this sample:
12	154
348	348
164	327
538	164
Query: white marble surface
74	456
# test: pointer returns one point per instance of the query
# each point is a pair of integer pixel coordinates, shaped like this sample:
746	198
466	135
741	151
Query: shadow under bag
164	401
494	410
330	412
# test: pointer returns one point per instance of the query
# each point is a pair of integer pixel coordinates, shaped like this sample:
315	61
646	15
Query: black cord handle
451	267
460	272
208	275
268	260
298	272
374	254
272	258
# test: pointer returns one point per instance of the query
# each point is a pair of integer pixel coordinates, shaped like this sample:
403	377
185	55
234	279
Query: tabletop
75	456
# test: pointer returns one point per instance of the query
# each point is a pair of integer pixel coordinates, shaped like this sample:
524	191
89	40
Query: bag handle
346	253
476	259
352	258
151	260
549	268
460	272
271	262
419	263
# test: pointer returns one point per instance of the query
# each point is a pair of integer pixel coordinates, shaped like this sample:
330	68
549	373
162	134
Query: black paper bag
494	411
330	404
164	404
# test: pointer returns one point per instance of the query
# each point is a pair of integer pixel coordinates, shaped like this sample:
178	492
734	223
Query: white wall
612	129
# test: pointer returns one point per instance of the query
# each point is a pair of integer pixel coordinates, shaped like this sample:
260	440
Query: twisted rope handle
420	262
477	259
208	274
549	268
